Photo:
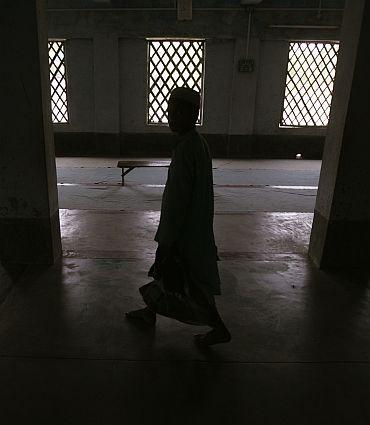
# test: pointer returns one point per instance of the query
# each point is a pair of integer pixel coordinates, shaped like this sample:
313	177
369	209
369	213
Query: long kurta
187	211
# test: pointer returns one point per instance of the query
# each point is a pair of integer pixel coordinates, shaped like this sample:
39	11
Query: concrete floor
260	185
300	352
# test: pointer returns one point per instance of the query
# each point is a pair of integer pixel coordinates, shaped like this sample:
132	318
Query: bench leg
124	173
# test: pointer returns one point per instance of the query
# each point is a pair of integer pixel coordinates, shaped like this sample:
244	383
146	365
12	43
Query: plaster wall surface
133	80
217	85
242	90
106	84
80	84
271	85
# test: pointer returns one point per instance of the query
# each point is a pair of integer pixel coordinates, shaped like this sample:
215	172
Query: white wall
107	73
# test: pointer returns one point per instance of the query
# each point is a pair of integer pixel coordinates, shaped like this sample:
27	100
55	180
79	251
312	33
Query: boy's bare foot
215	336
143	316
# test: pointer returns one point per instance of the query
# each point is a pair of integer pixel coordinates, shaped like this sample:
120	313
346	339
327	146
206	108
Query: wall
106	56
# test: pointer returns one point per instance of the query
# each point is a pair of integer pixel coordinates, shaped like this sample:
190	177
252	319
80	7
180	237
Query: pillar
29	215
340	235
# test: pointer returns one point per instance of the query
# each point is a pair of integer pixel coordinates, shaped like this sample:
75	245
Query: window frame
304	127
174	39
68	122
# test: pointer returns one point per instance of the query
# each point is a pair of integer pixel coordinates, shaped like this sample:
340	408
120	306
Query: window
172	63
58	84
309	84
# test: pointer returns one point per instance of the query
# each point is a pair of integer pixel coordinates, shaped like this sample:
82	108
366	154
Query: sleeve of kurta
176	198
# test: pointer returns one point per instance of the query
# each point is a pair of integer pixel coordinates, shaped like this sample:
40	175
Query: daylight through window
172	63
58	84
309	84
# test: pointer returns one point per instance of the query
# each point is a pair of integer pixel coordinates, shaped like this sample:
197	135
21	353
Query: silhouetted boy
185	271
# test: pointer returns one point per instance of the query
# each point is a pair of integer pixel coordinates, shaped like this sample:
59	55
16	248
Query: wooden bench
131	164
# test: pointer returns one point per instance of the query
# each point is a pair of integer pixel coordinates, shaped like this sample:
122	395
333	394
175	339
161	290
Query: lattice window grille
309	84
58	83
172	63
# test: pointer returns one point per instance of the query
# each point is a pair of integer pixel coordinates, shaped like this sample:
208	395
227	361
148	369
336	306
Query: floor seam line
117	359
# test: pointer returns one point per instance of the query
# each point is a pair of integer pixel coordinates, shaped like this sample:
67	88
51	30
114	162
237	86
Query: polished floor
300	352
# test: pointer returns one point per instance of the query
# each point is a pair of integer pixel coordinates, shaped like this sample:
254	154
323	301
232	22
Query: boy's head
183	109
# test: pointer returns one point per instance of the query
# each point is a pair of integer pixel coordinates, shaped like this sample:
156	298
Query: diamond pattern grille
58	84
172	63
309	84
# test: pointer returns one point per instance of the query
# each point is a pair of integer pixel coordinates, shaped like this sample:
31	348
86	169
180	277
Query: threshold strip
295	187
255	186
107	184
71	357
148	254
74	211
265	186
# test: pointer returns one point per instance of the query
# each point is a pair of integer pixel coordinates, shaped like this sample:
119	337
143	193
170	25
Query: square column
340	236
29	214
